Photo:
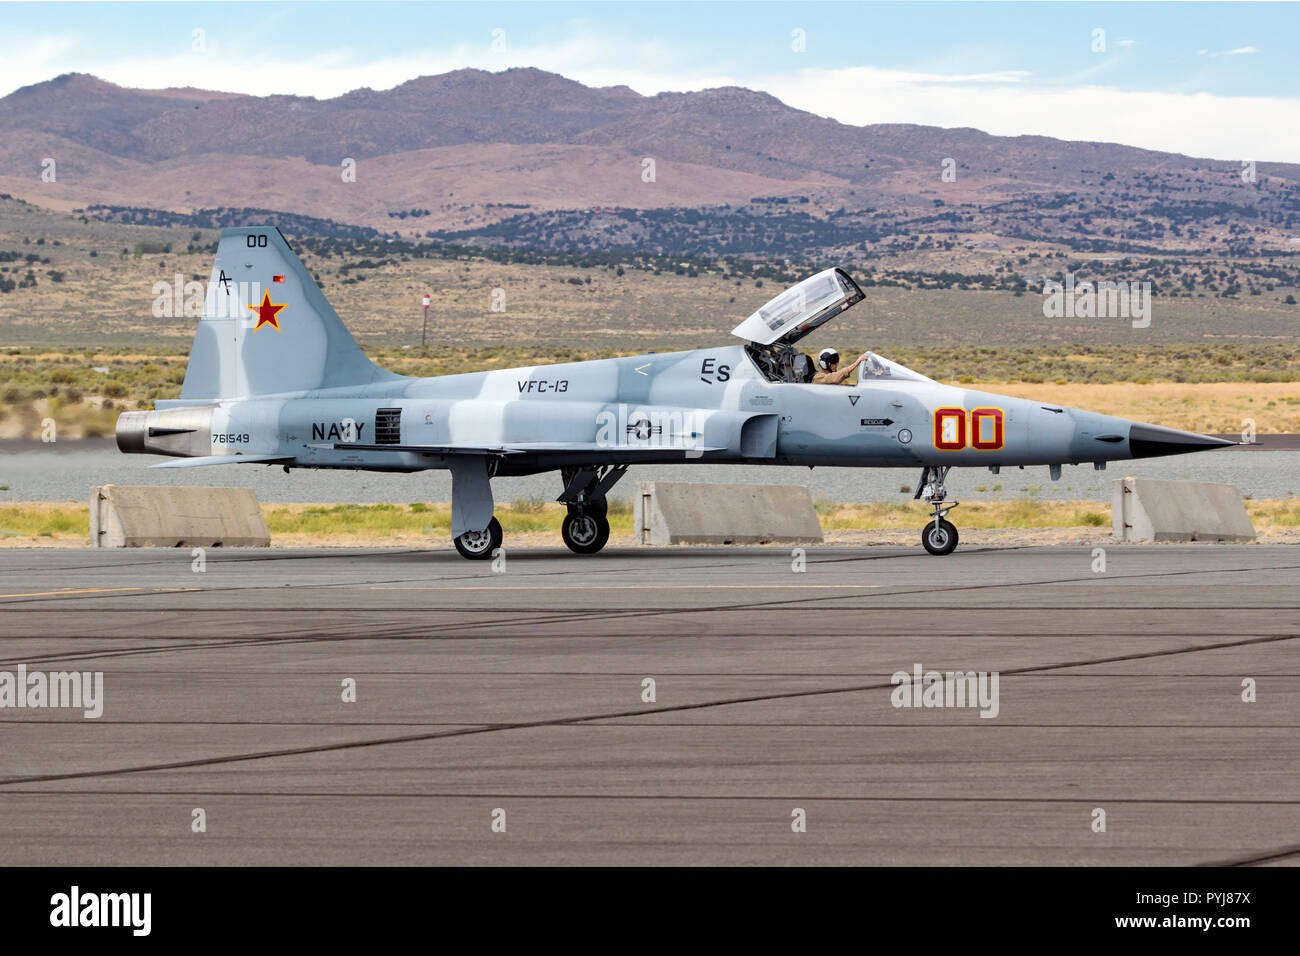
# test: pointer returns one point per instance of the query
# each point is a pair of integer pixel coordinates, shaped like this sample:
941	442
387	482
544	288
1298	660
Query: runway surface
522	691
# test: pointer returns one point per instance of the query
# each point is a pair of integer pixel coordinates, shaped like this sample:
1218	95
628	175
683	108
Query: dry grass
1021	513
638	310
1216	408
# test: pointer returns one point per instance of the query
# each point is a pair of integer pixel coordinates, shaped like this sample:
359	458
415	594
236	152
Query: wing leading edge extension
517	448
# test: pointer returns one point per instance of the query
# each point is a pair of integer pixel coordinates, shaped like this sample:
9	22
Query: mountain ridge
467	149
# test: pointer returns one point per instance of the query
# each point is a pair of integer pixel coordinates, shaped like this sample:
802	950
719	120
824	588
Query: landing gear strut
471	503
940	535
586	527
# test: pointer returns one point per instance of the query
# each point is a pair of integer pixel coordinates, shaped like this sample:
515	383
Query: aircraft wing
223	460
513	448
541	447
415	449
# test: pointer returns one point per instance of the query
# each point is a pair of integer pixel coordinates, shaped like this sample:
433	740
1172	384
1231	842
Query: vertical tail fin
266	326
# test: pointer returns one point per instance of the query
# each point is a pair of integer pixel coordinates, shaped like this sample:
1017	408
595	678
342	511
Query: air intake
388	426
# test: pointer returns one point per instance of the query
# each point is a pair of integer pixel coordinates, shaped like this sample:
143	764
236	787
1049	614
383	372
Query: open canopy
801	309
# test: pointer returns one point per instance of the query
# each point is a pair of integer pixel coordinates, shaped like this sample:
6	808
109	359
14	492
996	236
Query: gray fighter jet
274	378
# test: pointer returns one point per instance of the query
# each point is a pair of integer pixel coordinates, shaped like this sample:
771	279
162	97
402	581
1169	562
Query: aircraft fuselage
707	404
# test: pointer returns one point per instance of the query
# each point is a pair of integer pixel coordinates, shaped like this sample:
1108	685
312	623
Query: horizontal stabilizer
223	460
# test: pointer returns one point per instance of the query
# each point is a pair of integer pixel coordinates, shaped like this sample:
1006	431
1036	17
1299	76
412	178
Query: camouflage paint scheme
290	386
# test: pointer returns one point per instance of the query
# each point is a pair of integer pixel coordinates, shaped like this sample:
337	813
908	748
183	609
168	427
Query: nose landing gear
939	536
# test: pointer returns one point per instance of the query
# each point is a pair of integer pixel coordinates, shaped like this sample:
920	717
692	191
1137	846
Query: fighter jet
274	378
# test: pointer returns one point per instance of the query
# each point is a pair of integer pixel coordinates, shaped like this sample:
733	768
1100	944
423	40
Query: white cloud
1198	124
27	59
1239	51
242	64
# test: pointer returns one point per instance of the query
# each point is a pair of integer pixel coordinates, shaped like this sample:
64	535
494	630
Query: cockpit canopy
800	309
877	368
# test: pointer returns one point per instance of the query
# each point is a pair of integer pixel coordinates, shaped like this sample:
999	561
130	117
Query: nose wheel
940	535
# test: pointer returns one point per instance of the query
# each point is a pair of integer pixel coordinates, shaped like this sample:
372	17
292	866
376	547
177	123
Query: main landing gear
479	545
586	527
585	533
940	535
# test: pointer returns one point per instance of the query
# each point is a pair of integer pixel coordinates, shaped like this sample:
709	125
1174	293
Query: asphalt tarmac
518	696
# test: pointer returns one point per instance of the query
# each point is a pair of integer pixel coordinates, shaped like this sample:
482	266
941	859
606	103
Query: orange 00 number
985	431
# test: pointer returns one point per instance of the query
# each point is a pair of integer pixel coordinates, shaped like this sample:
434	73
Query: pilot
830	372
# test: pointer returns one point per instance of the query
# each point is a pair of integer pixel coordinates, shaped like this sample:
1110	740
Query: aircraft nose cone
1151	441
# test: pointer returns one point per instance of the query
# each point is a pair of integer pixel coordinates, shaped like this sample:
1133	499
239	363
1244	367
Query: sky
1218	80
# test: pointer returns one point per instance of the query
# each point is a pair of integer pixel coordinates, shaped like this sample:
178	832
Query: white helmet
827	358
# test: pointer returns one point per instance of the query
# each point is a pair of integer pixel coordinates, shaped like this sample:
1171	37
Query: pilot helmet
827	358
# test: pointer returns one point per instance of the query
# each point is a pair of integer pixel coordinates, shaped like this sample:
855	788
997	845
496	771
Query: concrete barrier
141	516
1145	509
679	512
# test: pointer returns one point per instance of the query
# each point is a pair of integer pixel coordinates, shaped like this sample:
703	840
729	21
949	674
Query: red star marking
267	312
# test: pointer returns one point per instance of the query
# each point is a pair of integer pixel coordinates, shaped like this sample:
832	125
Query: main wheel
585	533
940	537
479	545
